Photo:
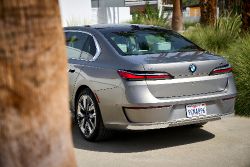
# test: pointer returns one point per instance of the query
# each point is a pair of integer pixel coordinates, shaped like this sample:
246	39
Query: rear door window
89	50
75	42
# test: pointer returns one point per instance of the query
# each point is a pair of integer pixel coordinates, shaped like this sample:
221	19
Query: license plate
196	110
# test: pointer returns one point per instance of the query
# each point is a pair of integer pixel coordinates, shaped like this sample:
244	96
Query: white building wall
79	12
112	15
75	12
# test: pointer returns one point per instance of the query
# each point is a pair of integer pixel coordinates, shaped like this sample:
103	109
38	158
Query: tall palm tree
246	15
208	12
34	119
177	20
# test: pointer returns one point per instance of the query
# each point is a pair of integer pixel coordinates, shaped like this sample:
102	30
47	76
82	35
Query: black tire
99	131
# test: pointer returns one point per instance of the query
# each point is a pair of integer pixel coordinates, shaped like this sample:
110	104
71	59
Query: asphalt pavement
223	143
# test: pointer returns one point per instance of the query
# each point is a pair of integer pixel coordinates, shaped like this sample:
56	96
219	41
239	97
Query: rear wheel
88	116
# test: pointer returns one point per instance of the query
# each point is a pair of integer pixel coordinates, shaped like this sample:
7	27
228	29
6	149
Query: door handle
72	70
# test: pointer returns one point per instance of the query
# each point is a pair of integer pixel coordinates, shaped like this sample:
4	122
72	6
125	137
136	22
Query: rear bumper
176	112
178	122
157	118
138	109
174	123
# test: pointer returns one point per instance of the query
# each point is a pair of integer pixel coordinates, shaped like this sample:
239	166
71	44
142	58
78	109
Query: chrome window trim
98	48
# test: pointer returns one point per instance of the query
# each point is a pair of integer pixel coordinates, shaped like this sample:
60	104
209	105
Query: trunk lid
185	82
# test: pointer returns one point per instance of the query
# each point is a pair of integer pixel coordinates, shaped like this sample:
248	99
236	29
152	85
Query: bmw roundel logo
192	68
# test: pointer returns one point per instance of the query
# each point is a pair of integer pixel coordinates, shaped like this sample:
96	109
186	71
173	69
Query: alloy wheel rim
86	115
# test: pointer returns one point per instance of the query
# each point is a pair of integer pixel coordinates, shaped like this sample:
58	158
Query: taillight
222	69
139	75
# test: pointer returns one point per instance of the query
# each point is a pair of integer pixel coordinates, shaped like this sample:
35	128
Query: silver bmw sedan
139	77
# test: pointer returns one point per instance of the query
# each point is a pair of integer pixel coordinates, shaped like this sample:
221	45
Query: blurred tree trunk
208	12
177	20
229	5
245	15
34	119
222	6
225	6
233	6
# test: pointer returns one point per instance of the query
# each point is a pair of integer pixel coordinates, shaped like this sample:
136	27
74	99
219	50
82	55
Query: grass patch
151	16
188	25
239	57
219	38
225	38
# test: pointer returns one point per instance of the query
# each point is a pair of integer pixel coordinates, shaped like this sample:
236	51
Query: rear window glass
149	42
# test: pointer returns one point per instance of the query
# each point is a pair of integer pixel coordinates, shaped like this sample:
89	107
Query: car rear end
180	99
180	83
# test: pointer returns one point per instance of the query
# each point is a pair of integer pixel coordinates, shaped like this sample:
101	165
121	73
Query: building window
95	3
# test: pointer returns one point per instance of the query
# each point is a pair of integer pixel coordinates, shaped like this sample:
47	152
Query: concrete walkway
223	143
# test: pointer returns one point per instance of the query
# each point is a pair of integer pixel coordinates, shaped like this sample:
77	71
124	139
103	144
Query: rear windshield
141	42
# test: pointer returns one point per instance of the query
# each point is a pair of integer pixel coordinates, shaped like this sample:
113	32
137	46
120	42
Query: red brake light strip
143	76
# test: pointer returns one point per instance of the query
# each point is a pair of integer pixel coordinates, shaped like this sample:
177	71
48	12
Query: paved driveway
224	143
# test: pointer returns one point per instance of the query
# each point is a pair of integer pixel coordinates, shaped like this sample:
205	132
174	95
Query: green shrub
239	57
225	38
219	38
188	24
152	16
231	24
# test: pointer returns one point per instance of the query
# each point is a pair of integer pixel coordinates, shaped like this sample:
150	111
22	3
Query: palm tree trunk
177	20
34	119
229	5
246	15
222	6
208	12
233	5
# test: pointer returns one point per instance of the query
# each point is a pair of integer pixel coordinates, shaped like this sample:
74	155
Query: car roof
113	27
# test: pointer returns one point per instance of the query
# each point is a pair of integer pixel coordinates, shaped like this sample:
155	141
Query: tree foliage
190	2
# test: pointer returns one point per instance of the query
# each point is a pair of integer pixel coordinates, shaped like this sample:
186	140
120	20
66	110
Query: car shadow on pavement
139	141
